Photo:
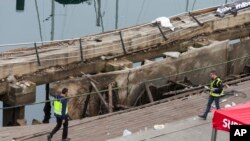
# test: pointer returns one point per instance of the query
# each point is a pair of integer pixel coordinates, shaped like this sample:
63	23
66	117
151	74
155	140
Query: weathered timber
58	73
115	123
110	98
150	97
178	83
109	47
182	91
86	103
21	93
129	82
140	42
99	94
10	116
21	122
114	65
55	73
139	97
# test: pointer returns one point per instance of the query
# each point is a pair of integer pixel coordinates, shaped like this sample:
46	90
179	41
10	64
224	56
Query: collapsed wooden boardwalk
57	61
44	59
112	125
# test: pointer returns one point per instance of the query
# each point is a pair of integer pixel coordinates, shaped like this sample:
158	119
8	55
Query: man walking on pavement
215	91
61	114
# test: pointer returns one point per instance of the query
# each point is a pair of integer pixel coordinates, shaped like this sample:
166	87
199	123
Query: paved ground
190	129
111	126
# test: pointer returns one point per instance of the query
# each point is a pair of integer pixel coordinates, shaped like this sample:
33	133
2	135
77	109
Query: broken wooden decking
130	83
92	54
112	125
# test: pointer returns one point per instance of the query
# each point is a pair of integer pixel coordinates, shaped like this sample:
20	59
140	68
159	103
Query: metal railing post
214	134
81	50
123	46
37	55
163	35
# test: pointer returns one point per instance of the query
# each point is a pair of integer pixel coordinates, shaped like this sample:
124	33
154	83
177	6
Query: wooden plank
100	95
182	91
71	51
86	103
139	96
178	83
58	56
110	98
110	126
151	99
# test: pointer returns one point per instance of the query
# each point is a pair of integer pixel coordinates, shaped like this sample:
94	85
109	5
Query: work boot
49	137
202	116
67	139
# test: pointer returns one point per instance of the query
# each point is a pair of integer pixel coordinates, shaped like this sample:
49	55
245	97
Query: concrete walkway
190	129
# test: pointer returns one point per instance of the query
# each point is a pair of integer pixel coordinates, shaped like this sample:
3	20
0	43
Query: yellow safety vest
212	88
58	107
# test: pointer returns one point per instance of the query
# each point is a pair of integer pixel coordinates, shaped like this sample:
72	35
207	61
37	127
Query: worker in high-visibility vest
215	92
61	114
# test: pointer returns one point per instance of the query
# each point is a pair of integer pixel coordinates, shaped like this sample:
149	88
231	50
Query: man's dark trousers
209	103
58	126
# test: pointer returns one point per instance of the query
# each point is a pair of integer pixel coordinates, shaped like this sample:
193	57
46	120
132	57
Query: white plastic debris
165	22
206	87
18	83
227	106
103	58
27	84
11	79
233	104
126	132
173	54
159	126
23	86
213	105
224	100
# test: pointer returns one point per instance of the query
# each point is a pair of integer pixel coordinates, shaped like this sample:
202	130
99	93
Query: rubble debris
126	132
173	54
21	122
227	106
11	79
103	58
233	104
35	122
159	126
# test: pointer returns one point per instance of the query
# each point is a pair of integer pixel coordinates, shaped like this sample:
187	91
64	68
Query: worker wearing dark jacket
61	114
216	90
